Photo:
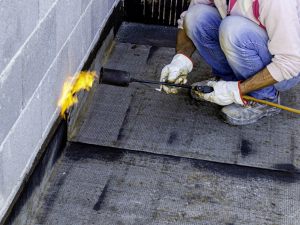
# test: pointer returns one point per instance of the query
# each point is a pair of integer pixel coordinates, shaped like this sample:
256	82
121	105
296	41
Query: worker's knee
230	32
238	33
245	46
199	19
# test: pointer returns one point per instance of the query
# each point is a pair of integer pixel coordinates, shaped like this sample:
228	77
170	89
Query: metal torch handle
204	89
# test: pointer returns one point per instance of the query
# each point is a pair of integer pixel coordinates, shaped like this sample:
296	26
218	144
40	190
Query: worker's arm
181	64
281	20
184	44
282	25
228	92
260	80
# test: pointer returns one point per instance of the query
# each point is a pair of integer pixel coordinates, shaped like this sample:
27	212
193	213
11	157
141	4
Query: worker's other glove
225	93
176	72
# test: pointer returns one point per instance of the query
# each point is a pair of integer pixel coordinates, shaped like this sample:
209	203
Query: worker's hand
176	72
225	93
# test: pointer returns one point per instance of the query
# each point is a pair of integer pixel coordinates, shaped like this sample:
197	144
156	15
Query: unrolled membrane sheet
96	185
143	119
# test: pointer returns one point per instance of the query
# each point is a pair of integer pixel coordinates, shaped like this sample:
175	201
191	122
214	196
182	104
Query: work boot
235	114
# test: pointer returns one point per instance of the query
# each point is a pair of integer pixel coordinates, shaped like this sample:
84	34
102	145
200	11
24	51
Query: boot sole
235	122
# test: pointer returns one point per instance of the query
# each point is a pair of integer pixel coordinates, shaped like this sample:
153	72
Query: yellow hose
248	98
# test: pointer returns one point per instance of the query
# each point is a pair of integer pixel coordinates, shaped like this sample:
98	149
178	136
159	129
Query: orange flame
83	81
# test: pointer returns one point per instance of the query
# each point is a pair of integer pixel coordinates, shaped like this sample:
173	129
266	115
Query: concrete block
64	68
49	95
84	5
18	149
4	192
76	50
66	64
86	29
38	55
99	12
68	14
44	7
110	3
18	20
10	98
52	85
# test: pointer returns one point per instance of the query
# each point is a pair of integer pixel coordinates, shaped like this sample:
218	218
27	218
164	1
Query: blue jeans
235	47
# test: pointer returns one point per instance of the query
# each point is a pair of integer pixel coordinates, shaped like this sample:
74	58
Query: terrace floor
143	157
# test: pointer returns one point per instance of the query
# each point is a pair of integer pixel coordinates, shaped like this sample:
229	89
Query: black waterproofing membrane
140	118
97	185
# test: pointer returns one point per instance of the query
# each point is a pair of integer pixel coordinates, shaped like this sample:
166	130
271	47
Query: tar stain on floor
173	137
97	206
246	148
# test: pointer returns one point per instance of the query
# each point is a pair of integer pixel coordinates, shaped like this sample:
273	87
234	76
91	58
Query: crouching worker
252	46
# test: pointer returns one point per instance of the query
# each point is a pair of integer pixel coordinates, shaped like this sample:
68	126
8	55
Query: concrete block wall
41	43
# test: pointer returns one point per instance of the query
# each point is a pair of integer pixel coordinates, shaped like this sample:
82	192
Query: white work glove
176	72
225	93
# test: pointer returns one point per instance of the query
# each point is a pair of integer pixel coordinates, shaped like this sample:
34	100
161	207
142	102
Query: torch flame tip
83	81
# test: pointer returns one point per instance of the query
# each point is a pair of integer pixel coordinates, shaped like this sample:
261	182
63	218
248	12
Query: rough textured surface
93	184
140	118
97	185
44	42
